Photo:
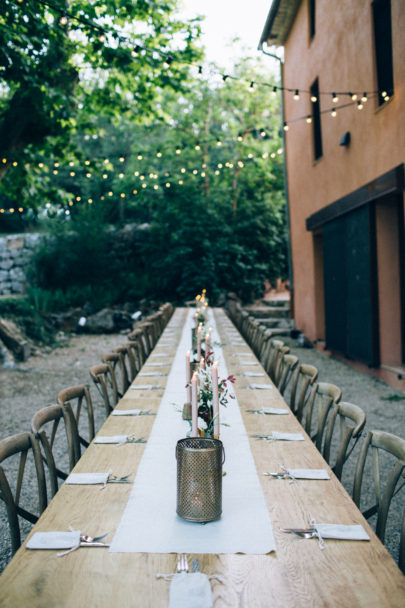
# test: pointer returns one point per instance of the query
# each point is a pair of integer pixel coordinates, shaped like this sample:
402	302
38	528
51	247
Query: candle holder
199	478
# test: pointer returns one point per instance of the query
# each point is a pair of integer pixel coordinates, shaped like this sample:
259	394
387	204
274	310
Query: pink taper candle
194	406
199	341
188	377
215	399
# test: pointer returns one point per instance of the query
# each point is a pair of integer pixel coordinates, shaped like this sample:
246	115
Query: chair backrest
119	370
322	398
304	377
46	426
105	382
138	335
79	397
129	368
387	454
344	426
20	445
288	364
276	363
270	355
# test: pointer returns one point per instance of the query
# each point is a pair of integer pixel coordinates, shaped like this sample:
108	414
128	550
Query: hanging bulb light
159	154
274	91
285	126
139	156
296	95
314	98
353	96
178	150
309	119
102	36
359	105
251	87
135	51
219	143
333	113
197	146
335	98
63	19
364	98
200	70
167	62
225	76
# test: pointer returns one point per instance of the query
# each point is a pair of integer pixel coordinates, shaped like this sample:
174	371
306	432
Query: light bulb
335	98
314	98
309	119
296	95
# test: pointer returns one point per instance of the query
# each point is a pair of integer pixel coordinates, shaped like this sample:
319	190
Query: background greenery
151	181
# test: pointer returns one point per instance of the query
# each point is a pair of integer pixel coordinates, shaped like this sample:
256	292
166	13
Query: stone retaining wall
15	253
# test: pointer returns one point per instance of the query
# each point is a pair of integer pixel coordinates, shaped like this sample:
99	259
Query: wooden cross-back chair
304	377
323	397
105	382
285	372
119	370
55	429
388	480
21	445
344	427
79	398
128	365
138	335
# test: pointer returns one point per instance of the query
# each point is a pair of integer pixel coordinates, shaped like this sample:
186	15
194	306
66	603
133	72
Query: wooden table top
345	573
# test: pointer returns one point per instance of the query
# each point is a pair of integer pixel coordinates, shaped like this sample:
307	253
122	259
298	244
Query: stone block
15	242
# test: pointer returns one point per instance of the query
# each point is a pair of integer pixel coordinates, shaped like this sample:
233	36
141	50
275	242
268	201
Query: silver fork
182	563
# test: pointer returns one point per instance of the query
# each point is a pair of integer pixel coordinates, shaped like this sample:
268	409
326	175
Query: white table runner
150	523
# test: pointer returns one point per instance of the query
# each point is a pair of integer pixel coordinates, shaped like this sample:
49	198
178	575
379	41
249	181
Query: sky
226	19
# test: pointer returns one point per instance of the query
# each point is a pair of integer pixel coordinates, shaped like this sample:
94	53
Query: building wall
341	56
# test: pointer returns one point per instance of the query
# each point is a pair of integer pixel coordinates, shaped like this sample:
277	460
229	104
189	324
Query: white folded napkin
248	362
255	374
144	387
159	355
88	478
112	439
274	410
157	364
126	412
242	355
277	435
190	590
54	540
292	474
152	374
260	386
341	532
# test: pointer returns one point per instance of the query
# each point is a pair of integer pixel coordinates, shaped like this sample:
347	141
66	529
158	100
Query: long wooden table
345	574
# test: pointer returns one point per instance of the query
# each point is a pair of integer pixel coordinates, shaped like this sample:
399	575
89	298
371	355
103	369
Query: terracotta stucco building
345	173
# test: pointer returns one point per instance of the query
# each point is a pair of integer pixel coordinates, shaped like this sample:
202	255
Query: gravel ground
36	383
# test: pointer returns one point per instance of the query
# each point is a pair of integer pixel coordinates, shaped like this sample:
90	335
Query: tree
65	62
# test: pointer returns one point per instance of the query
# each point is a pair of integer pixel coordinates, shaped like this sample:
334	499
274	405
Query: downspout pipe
287	213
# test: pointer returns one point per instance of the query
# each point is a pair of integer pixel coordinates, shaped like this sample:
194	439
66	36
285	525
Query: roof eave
279	22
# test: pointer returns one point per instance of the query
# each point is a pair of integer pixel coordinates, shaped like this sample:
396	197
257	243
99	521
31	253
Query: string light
333	113
285	126
309	119
251	87
353	96
296	95
335	98
167	62
364	98
135	51
314	98
359	105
